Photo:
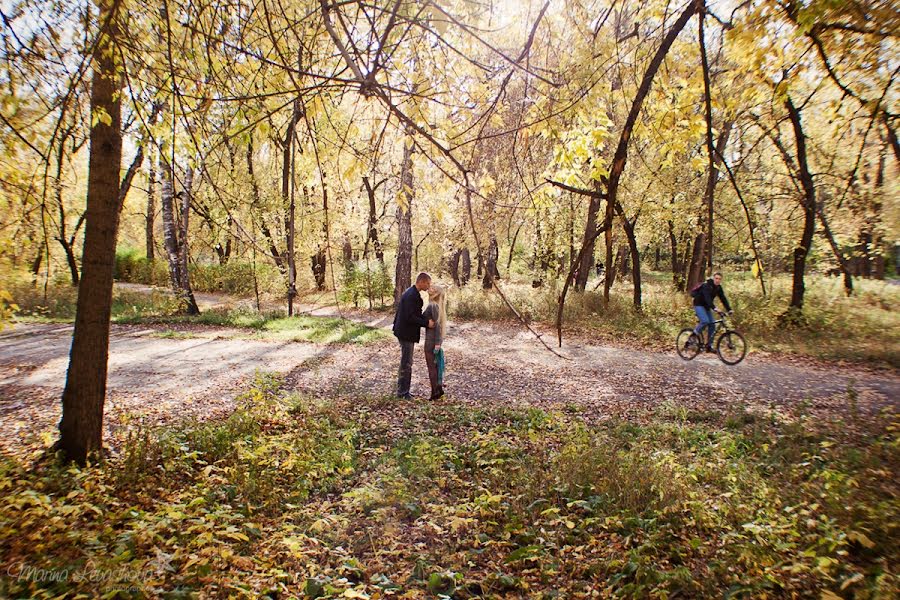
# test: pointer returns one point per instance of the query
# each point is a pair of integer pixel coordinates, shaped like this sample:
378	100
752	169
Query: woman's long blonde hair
438	295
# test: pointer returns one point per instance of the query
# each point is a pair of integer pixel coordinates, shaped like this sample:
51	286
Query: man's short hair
423	276
717	273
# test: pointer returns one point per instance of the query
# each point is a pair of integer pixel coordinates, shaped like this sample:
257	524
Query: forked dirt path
160	379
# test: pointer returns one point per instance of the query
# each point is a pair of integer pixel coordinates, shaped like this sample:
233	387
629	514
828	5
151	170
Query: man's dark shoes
405	397
437	393
710	350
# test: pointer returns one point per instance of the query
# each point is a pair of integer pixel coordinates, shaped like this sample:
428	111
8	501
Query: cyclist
704	297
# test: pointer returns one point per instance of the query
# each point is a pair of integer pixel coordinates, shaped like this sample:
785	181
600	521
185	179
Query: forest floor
164	373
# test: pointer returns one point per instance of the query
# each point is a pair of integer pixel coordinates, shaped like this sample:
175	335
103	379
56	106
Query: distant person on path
408	323
704	298
436	311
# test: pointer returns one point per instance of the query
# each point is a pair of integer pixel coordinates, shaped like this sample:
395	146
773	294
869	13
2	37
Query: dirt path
160	379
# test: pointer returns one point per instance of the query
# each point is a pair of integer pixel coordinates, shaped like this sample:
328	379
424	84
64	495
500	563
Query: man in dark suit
408	324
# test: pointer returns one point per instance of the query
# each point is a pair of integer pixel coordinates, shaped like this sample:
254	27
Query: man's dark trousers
404	375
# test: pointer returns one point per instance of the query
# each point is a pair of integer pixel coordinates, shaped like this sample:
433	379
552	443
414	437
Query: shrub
364	280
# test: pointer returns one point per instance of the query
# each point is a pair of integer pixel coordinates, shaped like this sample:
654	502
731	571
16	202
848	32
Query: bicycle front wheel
687	344
731	347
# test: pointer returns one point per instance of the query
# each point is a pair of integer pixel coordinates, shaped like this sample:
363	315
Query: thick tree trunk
590	237
809	210
696	269
490	268
466	259
81	426
403	273
453	267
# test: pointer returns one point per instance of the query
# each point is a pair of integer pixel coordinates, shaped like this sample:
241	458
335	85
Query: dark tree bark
466	259
696	269
81	426
587	258
608	246
713	175
453	267
151	213
372	231
403	273
512	247
809	210
628	226
490	268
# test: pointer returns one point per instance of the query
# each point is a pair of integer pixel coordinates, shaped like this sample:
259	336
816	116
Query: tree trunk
696	269
151	212
628	226
453	267
590	237
608	241
809	210
403	273
81	426
183	248
512	247
677	276
288	201
713	175
372	232
70	260
466	274
490	268
319	266
170	233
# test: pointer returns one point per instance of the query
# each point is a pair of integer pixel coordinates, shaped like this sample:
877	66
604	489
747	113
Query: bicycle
729	344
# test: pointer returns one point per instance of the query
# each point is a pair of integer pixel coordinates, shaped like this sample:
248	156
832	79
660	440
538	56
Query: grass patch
301	498
275	326
863	328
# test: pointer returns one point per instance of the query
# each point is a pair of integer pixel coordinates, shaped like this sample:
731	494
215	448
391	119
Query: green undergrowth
295	497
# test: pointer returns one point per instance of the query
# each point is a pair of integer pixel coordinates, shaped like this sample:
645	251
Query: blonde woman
434	338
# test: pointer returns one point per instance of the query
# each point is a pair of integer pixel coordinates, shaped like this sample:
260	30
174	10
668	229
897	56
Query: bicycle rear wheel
687	344
731	347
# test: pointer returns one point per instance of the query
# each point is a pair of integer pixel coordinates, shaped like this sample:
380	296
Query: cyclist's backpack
695	291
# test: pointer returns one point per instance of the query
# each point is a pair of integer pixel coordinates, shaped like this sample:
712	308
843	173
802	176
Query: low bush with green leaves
296	497
364	280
